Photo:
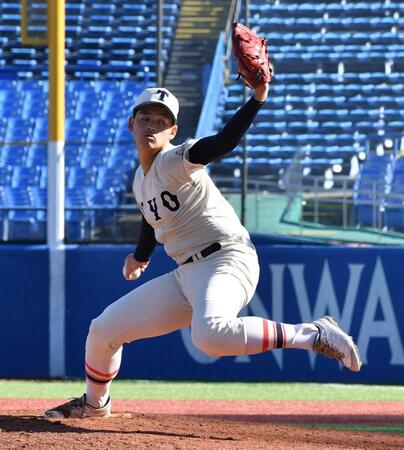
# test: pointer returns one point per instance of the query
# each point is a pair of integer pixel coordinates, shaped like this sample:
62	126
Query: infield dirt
203	425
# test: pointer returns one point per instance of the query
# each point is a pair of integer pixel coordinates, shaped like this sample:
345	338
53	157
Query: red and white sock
263	335
98	381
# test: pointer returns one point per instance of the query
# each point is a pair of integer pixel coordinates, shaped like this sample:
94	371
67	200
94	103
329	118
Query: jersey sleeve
175	167
190	166
146	242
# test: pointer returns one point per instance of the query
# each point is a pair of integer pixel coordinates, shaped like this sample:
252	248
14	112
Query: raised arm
211	147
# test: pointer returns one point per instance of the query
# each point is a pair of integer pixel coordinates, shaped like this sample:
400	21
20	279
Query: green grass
129	389
397	429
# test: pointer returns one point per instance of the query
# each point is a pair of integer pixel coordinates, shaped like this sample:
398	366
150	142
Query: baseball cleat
333	342
77	408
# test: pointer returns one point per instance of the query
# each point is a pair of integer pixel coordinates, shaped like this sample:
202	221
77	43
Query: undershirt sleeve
146	243
209	148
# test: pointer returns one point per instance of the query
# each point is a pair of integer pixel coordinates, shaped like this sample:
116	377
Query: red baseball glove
251	52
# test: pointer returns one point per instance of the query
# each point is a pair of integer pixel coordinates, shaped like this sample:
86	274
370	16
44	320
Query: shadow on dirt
34	424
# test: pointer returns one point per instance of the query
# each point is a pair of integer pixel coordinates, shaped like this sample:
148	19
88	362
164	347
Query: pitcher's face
152	128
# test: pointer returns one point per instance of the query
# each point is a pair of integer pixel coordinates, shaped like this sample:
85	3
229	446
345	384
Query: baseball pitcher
217	271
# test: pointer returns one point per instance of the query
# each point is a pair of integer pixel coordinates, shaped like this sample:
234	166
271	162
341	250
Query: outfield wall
361	287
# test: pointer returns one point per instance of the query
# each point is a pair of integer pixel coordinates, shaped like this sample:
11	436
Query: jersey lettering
174	205
170	201
153	208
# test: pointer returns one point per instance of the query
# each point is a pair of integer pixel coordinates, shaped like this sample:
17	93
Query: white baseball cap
159	96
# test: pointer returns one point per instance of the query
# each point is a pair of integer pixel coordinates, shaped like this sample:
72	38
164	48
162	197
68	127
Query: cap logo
162	94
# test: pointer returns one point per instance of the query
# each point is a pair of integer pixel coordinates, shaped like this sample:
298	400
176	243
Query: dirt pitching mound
203	425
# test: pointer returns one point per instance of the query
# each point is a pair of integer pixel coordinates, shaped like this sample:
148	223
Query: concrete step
194	61
201	3
178	86
197	12
182	66
172	77
188	96
188	105
178	81
199	45
210	32
181	54
199	25
189	91
191	33
186	46
198	20
212	26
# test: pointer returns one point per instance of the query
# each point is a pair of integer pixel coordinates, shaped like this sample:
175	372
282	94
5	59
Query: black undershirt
205	151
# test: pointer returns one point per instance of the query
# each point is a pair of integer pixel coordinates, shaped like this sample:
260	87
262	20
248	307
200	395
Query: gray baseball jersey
183	205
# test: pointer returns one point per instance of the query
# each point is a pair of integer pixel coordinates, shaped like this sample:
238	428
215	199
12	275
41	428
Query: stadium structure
319	177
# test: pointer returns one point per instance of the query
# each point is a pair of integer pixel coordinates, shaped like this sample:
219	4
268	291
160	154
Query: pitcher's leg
153	309
218	288
217	292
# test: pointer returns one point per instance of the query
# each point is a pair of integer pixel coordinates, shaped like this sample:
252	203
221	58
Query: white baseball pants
206	295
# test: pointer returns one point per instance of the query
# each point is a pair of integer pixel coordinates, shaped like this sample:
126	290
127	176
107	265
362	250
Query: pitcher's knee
98	335
207	336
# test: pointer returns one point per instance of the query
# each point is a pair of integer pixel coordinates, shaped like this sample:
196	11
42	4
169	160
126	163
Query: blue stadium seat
25	176
43	176
6	173
102	131
13	155
3	127
22	224
398	169
80	177
122	156
39	200
19	130
369	190
112	179
40	130
93	154
77	220
38	196
76	129
73	153
124	150
394	214
103	214
313	102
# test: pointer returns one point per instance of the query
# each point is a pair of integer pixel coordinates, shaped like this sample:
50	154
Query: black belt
212	248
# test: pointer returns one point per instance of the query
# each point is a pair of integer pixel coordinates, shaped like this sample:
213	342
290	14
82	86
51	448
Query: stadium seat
40	131
36	155
18	130
13	155
80	177
325	99
73	152
102	131
21	223
77	221
369	190
112	179
24	176
76	129
102	213
6	173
